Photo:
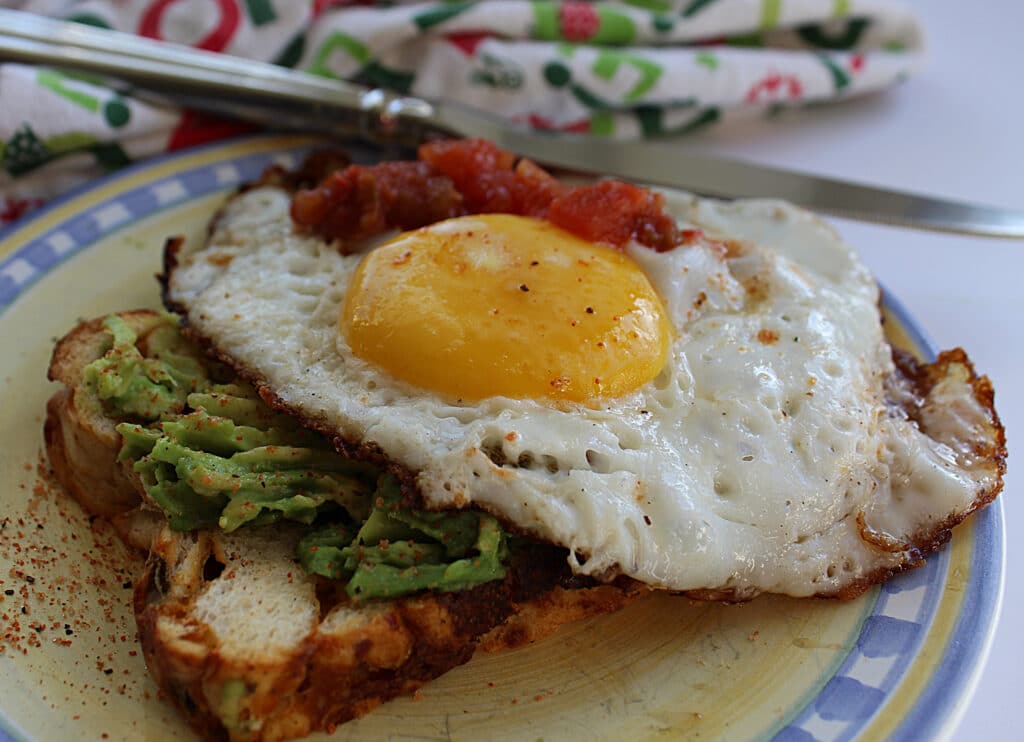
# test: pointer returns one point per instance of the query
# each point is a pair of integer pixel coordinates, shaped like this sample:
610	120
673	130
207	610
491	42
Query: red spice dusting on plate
64	612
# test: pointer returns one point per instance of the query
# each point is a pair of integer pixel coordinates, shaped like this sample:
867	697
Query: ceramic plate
898	663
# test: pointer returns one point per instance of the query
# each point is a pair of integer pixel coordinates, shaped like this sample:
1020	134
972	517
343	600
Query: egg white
753	463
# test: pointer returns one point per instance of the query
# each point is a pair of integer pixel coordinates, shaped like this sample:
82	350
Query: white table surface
953	130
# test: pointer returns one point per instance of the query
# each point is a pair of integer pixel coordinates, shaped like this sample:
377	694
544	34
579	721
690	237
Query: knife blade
290	99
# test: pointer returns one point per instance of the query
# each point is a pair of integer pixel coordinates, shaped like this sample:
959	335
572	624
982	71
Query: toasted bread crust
352	657
81	441
84	458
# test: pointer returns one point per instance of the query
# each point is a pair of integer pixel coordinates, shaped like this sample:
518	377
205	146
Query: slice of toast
81	441
245	642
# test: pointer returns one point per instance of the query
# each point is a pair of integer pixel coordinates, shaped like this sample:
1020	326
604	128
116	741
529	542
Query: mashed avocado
400	549
135	386
213	455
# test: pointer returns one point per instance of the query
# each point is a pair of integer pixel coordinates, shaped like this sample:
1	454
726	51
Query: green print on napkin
625	69
115	110
24	152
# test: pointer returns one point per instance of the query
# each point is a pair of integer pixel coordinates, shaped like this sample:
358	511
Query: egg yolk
496	304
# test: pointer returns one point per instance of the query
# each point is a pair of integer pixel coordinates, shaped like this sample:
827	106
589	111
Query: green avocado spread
212	454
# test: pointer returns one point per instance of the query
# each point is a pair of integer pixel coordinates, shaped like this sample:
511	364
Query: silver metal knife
288	99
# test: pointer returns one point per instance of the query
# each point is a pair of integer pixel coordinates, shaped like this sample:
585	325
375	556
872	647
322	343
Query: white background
956	130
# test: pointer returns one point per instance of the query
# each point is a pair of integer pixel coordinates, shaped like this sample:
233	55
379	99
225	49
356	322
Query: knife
289	99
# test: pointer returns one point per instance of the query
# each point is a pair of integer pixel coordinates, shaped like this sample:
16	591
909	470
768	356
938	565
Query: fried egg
724	418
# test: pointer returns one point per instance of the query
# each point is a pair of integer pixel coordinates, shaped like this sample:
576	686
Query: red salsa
473	176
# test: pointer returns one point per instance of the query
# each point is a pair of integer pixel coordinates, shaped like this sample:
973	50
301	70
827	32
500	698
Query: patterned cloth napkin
640	68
